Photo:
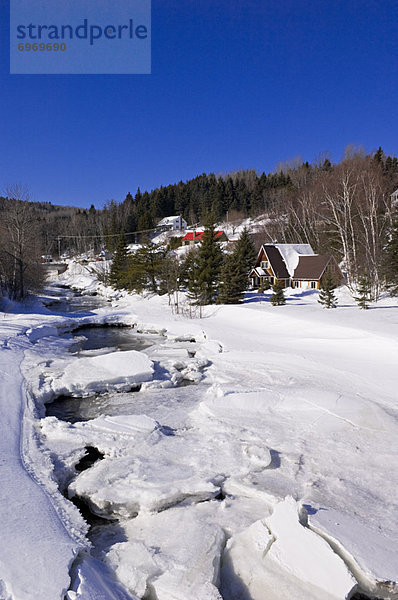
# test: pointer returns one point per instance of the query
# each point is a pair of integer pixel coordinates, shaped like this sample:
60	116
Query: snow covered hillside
272	476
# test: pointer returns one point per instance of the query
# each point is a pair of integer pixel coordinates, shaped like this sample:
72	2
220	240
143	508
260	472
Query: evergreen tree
169	275
118	272
264	285
379	156
326	165
233	281
112	228
194	284
327	296
278	297
186	267
390	262
144	268
145	221
246	250
235	271
364	292
205	273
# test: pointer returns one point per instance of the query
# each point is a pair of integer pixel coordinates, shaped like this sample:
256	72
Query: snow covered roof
169	220
291	253
258	271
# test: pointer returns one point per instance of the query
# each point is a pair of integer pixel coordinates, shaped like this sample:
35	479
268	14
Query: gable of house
270	260
311	271
311	267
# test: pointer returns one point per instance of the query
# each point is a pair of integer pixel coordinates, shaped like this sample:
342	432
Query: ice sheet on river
369	551
175	554
116	370
277	558
149	466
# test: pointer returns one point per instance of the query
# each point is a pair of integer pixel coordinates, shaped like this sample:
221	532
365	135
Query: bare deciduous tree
19	245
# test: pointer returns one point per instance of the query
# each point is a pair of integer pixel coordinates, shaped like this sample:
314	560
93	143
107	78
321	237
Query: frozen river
239	457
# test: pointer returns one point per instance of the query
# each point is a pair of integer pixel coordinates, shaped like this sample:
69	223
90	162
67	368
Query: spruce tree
118	272
390	262
203	282
264	285
233	281
235	271
195	291
278	297
246	250
379	156
327	296
144	268
364	292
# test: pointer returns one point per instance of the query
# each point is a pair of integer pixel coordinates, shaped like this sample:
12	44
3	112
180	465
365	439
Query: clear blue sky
234	84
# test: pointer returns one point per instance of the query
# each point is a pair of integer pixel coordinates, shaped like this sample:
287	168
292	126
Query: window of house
271	280
264	264
313	285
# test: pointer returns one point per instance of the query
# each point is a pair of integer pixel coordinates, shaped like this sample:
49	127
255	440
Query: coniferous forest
346	209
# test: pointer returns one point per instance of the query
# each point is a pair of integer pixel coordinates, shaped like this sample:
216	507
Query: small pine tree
233	281
144	268
235	271
245	250
278	297
205	274
327	296
264	285
118	272
364	292
379	156
390	262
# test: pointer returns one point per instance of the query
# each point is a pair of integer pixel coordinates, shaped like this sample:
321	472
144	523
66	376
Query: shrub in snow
278	297
327	296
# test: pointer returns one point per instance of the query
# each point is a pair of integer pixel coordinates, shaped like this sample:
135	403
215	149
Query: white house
175	223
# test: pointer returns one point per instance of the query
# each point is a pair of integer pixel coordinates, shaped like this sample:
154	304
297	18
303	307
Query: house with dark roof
194	237
294	265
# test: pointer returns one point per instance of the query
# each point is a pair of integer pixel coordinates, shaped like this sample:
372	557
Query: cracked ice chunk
97	373
371	554
124	486
279	559
175	553
94	582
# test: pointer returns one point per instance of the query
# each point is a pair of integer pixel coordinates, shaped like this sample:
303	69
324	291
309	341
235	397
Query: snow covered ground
272	476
